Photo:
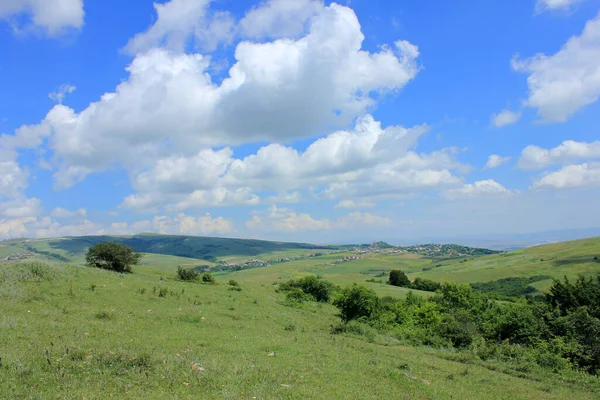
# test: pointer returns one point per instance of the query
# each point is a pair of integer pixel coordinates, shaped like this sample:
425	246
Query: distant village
17	257
430	250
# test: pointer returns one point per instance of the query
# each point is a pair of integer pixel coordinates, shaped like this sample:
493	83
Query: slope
79	332
555	260
194	247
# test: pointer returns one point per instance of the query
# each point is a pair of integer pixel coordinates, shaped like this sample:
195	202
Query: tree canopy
112	256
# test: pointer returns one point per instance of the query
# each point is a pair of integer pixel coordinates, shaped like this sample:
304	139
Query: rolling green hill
554	260
73	332
184	250
68	330
371	268
202	248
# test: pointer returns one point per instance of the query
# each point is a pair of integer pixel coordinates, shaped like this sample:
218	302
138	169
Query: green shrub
187	274
318	290
296	295
399	278
233	283
426	285
356	301
208	278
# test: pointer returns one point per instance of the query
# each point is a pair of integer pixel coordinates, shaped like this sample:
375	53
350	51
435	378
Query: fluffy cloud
185	225
279	18
177	21
21	208
276	91
276	219
389	181
54	16
543	5
487	188
495	161
285	220
367	160
505	117
562	83
73	223
180	21
14	227
13	179
571	176
534	157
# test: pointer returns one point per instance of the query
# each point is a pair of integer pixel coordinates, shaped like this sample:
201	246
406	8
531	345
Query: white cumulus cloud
276	91
562	83
53	16
285	220
277	219
279	18
534	157
571	176
485	188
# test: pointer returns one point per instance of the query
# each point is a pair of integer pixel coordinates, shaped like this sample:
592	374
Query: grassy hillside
554	260
204	248
164	251
370	267
76	332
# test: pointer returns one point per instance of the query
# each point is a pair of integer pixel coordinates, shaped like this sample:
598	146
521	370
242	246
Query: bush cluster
208	278
560	332
188	274
399	278
308	288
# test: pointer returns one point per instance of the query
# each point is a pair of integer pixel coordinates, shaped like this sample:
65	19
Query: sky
299	120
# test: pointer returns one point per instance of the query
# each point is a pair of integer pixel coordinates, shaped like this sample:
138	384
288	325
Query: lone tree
399	278
112	256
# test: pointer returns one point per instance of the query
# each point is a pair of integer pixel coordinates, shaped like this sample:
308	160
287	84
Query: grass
69	331
554	260
170	263
61	339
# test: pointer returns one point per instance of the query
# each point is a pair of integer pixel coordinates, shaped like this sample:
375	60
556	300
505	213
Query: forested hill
205	248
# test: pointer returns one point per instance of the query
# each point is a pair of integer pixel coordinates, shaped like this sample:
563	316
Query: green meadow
76	332
70	331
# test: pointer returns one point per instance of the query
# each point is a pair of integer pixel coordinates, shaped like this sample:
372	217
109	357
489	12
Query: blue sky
299	119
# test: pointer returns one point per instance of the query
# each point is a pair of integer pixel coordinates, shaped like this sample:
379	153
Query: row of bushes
563	331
